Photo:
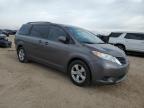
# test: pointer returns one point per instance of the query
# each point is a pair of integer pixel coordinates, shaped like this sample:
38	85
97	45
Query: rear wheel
79	73
22	55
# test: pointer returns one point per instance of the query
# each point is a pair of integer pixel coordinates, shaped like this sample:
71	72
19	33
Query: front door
56	52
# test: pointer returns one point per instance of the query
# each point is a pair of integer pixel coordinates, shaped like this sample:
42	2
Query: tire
22	56
79	73
122	47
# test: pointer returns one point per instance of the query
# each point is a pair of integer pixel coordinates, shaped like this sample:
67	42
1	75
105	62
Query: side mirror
62	39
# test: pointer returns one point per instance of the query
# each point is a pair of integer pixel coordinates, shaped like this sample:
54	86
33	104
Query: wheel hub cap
21	54
78	73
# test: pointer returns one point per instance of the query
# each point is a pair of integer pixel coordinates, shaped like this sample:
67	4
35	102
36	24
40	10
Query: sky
95	15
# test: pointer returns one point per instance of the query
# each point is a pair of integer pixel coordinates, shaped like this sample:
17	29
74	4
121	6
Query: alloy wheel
78	73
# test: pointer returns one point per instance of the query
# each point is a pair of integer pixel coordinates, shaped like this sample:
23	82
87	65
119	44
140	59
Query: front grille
122	60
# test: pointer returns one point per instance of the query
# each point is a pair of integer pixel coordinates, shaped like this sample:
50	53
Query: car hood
106	48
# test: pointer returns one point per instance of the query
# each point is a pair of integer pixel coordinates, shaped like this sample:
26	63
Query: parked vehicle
78	52
4	32
128	41
4	41
9	32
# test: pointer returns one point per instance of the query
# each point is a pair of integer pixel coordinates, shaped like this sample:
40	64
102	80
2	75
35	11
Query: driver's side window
55	32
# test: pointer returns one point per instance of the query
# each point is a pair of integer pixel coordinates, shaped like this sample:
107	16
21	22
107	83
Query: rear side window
115	34
55	33
40	31
25	29
135	36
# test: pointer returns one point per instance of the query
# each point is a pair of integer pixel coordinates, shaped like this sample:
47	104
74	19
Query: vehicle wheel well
120	44
19	46
74	59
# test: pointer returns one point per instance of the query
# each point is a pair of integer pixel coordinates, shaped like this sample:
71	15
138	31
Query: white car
128	41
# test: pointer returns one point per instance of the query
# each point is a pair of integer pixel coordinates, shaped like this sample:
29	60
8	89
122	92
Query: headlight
106	57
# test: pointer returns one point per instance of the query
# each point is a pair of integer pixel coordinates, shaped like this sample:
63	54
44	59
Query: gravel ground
35	86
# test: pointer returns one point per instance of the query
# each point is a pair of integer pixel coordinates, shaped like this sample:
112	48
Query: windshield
84	36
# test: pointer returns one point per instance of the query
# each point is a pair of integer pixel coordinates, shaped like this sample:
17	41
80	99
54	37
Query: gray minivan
76	51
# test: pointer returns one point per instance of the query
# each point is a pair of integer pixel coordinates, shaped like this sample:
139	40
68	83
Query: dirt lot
35	86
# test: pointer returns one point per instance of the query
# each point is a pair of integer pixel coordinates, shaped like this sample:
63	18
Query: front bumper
106	72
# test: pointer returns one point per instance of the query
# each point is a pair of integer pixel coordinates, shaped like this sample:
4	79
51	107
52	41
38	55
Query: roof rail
38	22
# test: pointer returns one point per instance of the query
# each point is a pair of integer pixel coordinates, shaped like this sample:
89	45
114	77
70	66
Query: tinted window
135	36
24	30
55	33
40	31
115	34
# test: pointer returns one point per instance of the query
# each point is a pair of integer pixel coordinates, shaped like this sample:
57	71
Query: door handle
46	43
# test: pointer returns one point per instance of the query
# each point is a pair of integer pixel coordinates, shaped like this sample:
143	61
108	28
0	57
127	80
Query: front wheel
22	55
79	73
